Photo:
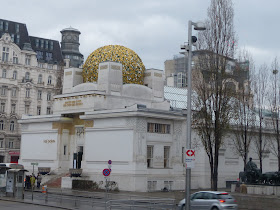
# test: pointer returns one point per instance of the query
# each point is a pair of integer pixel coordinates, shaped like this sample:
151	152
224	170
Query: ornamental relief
141	125
177	127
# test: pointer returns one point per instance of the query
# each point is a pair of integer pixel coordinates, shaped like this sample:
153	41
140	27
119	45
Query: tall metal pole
189	114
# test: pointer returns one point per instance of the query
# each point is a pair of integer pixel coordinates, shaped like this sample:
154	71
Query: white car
210	200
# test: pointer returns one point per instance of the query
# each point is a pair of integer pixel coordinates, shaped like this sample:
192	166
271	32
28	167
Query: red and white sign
14	152
190	158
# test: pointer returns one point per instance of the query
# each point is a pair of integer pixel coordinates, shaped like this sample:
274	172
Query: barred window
150	151
166	156
158	128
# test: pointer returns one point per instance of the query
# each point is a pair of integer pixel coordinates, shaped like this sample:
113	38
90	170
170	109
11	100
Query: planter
75	172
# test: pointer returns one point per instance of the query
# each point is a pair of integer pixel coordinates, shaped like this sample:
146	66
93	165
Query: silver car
210	200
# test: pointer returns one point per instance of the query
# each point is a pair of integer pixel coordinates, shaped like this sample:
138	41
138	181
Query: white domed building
112	109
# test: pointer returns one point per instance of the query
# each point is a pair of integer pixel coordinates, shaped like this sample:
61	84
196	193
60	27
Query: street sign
190	158
34	164
106	172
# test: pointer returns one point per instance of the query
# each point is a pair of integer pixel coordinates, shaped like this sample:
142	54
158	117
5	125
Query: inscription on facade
115	67
103	67
68	73
49	141
157	74
73	103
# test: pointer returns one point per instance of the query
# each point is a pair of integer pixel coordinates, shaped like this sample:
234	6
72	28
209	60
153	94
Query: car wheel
214	208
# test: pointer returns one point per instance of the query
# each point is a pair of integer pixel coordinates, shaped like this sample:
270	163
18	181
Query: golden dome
133	68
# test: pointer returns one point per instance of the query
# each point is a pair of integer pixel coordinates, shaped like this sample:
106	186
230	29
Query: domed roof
133	68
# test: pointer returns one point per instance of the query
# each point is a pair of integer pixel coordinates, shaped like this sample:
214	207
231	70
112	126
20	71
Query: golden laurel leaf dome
133	68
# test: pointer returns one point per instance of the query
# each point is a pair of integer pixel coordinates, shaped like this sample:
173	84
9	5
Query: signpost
34	164
106	173
190	158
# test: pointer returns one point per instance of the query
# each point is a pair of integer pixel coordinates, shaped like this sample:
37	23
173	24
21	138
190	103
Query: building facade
30	76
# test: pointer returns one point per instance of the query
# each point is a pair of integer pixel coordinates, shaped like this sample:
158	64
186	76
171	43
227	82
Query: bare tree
244	115
274	99
260	83
217	45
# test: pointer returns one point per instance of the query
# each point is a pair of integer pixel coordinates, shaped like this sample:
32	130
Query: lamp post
197	26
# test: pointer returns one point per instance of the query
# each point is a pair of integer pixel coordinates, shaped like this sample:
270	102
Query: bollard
45	191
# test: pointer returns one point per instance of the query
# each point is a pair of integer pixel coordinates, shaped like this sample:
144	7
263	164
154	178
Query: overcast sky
154	29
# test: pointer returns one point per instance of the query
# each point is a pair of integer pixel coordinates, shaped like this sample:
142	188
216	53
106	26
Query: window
6	26
49	96
13	108
15	58
2	107
42	43
150	151
1	25
50	66
37	43
1	143
27	76
166	157
38	110
13	37
39	55
4	73
17	41
4	90
26	109
41	65
49	56
27	59
12	126
158	128
39	95
64	149
40	79
17	28
15	75
5	54
51	45
49	80
1	125
14	92
27	93
46	44
48	110
11	144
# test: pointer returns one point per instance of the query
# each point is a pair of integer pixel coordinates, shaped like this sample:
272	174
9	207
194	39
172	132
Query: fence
74	199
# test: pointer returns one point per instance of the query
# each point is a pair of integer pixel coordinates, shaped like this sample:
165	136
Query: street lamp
191	39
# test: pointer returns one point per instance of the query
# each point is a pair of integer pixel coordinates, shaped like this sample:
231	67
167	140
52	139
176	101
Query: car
210	200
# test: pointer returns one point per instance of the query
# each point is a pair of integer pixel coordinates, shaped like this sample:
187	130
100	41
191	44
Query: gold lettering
68	73
115	67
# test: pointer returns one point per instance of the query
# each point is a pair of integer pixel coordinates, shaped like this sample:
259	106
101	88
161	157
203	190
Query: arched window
15	75
12	126
40	79
4	73
50	80
1	125
49	95
27	75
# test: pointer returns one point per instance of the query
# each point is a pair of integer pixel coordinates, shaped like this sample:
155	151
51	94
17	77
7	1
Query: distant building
31	71
70	46
176	71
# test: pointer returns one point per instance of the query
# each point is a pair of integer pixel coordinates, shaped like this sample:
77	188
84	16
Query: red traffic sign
190	152
106	172
109	162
